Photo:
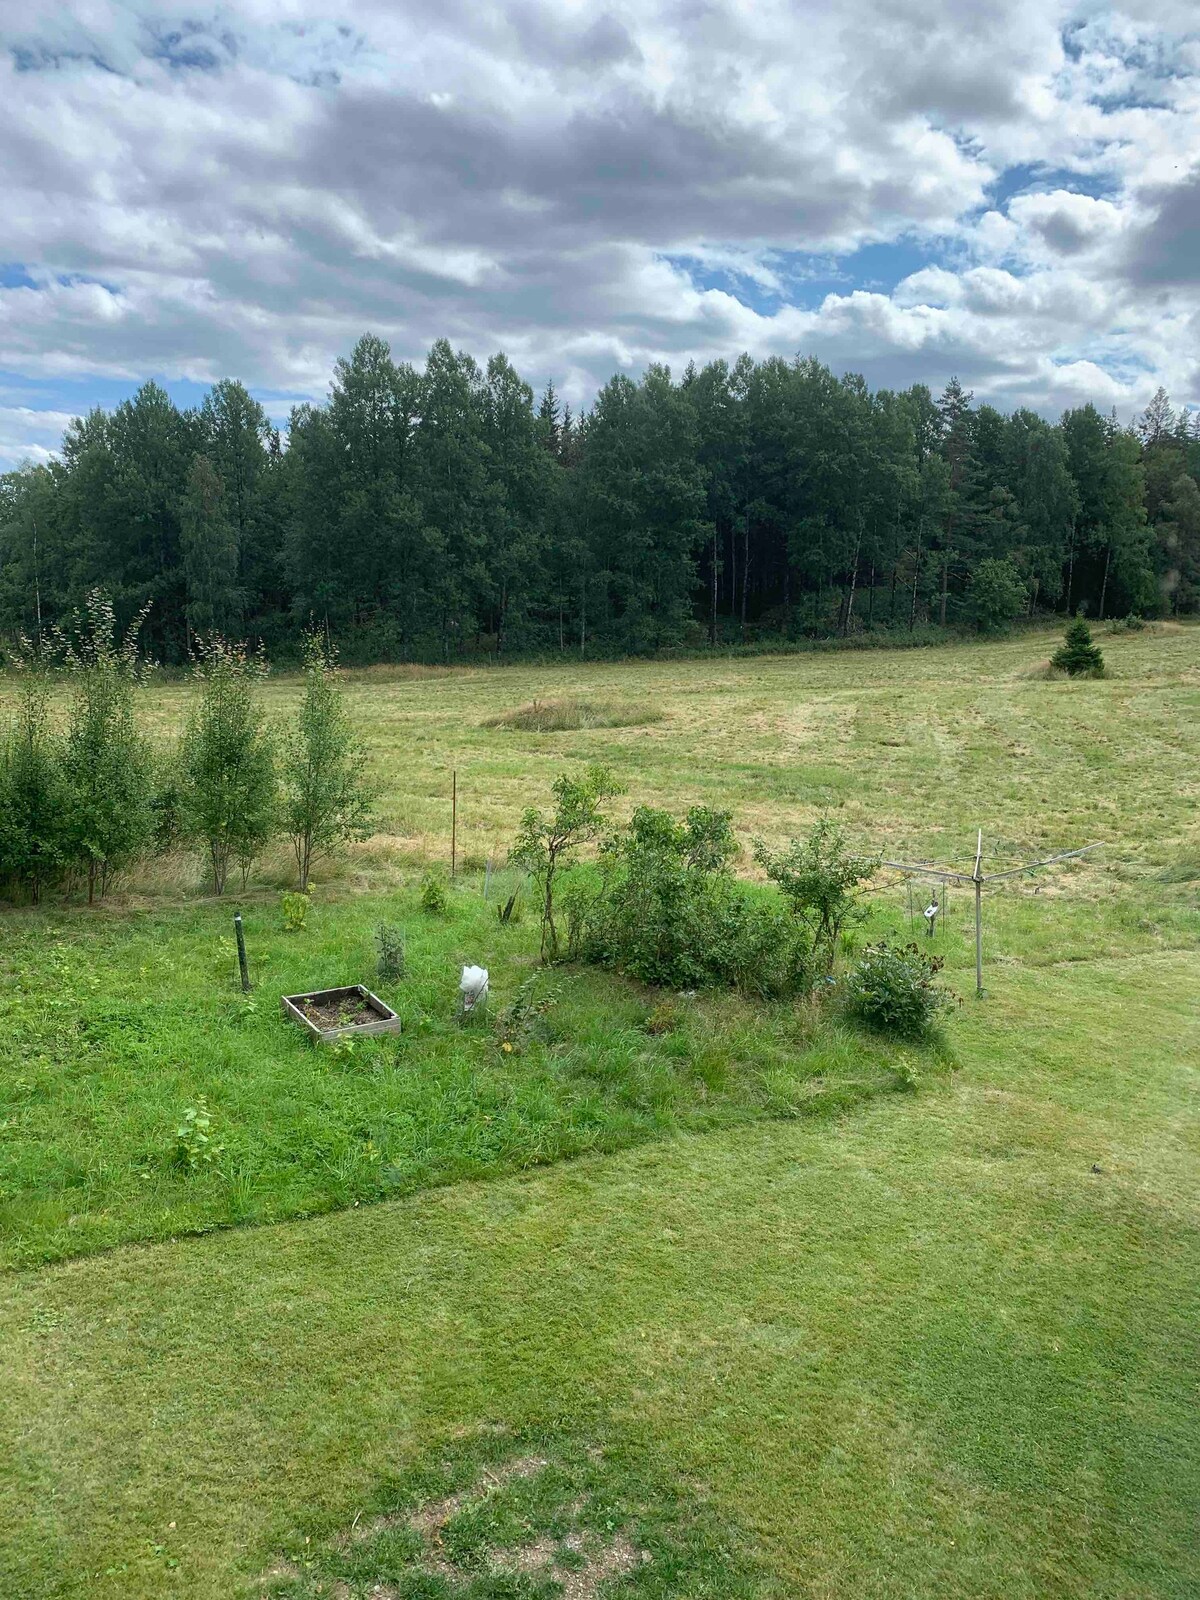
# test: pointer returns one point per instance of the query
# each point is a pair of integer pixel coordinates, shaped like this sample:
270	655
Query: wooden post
454	823
241	947
978	918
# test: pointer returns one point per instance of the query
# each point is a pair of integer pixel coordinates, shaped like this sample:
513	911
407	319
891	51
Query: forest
448	513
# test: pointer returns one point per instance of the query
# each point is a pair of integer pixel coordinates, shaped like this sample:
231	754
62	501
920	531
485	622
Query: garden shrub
433	895
894	989
391	960
106	760
227	761
326	796
195	1148
548	846
665	909
821	879
522	1020
295	911
35	838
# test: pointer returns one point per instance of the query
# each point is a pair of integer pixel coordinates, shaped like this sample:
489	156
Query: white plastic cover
473	987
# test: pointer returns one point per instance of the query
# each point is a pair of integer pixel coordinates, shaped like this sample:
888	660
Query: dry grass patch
569	715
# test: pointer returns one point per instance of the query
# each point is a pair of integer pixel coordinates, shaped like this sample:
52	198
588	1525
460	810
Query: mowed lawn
932	1343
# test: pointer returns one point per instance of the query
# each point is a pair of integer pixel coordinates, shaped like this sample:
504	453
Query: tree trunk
1104	582
871	599
745	570
945	587
712	615
853	587
1070	569
912	615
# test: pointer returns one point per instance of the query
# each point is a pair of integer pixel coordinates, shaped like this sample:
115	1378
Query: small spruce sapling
1079	656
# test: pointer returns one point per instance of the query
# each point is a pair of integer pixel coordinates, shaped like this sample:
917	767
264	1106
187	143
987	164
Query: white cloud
247	193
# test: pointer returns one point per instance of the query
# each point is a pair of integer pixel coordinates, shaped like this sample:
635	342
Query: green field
783	1325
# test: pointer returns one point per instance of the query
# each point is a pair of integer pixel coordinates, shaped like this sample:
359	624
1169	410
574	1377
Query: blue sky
1008	190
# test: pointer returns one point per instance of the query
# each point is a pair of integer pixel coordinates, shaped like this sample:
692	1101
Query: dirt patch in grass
569	715
338	1013
570	1518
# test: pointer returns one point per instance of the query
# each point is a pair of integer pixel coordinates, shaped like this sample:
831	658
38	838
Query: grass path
925	1350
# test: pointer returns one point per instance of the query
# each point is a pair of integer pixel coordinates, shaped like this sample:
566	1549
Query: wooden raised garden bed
333	1014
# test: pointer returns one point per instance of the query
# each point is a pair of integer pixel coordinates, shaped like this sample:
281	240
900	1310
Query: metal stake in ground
241	944
978	918
453	822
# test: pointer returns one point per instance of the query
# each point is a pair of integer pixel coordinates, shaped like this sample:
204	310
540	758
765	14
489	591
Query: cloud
245	190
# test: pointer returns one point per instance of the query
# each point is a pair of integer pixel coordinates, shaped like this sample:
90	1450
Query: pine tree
208	538
1079	657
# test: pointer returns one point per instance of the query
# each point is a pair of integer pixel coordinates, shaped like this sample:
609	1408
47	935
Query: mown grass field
785	1327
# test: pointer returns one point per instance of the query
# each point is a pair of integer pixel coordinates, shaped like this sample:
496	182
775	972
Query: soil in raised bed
339	1013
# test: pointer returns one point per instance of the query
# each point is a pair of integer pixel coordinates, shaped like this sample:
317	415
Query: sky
1006	190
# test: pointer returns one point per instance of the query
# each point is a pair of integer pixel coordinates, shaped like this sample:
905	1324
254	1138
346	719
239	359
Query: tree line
437	513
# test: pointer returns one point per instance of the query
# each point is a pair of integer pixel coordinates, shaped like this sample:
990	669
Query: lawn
783	1327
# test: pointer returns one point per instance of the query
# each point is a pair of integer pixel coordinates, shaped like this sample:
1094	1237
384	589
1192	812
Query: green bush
433	895
665	909
35	834
228	799
391	961
821	879
107	763
195	1148
998	595
295	911
1079	656
894	989
326	796
522	1020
